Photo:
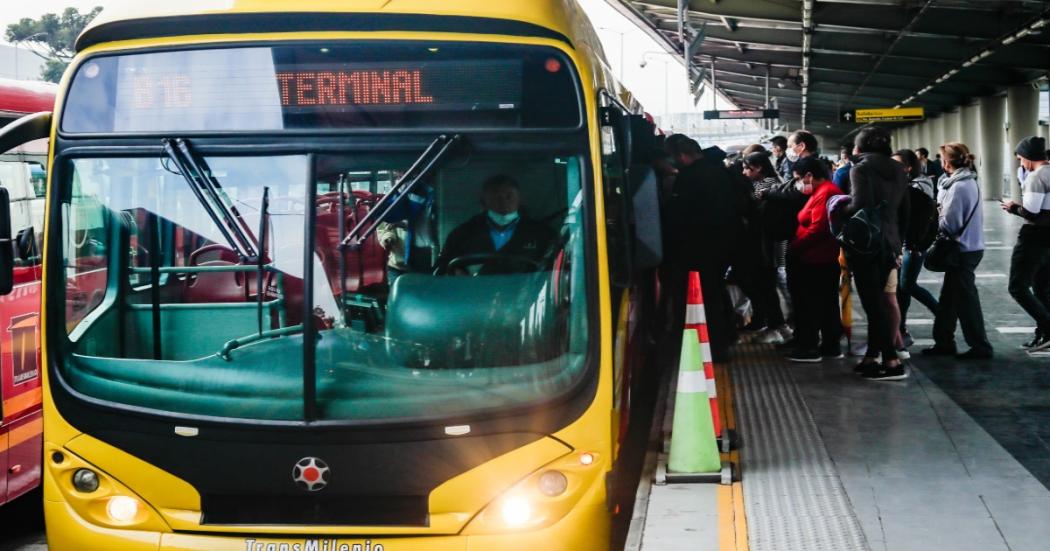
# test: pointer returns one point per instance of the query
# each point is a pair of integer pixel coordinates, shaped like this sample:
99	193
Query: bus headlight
553	483
97	497
542	498
85	480
516	511
122	509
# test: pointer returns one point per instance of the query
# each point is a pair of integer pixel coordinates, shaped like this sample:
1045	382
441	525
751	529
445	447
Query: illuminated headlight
122	509
553	483
85	480
516	511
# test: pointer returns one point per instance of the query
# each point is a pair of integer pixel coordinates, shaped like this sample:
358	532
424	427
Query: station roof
825	57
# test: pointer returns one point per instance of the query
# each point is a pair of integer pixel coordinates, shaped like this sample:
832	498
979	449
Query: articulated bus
23	177
235	359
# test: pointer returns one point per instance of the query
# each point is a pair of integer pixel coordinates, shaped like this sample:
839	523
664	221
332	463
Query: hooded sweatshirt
960	196
877	179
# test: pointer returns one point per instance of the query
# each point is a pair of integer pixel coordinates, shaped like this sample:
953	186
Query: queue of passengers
790	228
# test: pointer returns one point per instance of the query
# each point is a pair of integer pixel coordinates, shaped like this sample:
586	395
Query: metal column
1022	105
992	114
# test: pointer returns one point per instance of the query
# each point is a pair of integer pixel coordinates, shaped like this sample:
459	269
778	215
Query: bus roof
135	19
19	97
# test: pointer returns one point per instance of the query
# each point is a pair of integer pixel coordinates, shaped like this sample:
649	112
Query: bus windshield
469	296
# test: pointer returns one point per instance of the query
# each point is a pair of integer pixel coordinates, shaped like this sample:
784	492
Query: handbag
946	252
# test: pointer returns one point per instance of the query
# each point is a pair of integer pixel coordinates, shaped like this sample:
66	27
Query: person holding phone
1030	263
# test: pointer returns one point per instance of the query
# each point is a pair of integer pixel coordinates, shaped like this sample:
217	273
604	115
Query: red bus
23	174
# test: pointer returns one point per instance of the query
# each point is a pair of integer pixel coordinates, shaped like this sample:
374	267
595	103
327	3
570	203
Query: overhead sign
864	116
743	114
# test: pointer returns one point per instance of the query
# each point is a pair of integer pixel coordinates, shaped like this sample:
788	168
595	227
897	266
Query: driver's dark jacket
531	240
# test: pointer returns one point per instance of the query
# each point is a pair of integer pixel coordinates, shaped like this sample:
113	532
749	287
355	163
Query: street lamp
667	76
621	33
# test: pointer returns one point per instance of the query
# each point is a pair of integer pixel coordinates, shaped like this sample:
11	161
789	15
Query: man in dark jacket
879	185
503	240
704	219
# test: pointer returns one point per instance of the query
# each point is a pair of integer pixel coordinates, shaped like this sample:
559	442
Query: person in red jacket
813	268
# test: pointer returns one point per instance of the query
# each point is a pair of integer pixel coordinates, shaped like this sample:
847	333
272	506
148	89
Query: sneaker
769	336
879	372
904	354
832	352
938	351
975	354
864	365
786	332
1041	342
907	338
805	355
1036	337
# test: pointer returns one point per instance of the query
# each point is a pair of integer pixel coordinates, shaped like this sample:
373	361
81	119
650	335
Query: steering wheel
220	252
484	258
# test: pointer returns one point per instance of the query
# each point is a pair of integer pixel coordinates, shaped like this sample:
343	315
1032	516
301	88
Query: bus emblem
311	474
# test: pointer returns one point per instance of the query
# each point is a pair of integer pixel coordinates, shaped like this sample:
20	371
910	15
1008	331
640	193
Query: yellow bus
358	276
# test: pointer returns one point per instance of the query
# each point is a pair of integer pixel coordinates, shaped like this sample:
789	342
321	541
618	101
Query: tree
52	37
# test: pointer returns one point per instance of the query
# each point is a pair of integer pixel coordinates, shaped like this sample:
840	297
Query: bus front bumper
585	528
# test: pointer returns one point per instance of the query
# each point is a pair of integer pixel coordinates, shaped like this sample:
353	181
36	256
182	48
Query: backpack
861	235
924	220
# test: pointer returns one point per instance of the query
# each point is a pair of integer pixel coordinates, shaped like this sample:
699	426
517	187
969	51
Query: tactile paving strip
794	499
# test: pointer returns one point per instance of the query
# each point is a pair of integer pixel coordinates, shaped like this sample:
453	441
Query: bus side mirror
7	249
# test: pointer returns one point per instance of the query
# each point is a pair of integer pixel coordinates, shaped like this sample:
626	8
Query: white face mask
805	189
792	155
503	219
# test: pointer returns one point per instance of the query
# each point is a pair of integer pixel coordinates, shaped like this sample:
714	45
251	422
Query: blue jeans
908	287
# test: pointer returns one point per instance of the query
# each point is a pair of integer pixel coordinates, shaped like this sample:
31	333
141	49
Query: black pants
815	288
870	275
1030	270
960	304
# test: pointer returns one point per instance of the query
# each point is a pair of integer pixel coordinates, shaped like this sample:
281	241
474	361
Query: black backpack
924	220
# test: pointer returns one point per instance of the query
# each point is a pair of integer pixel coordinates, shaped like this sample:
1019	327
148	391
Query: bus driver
501	239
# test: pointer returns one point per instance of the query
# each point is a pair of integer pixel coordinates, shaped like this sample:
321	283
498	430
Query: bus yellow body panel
459	506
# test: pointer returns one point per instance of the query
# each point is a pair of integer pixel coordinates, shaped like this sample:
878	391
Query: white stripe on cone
712	391
705	349
695	314
691	382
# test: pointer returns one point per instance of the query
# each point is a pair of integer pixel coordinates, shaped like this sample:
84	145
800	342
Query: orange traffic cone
696	318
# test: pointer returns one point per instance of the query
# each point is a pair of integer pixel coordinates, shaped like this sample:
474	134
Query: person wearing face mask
500	231
813	268
800	145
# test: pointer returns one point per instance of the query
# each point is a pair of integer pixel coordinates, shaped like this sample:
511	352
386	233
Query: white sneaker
770	336
904	354
785	332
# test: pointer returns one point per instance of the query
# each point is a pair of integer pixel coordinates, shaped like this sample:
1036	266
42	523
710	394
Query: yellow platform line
732	520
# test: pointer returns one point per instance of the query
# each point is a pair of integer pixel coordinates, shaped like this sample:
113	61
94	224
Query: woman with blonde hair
960	219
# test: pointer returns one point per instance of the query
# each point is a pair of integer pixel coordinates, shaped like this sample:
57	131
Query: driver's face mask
503	219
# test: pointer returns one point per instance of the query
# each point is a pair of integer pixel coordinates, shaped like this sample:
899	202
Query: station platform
957	456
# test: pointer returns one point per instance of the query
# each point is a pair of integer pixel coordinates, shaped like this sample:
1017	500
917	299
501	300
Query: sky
647	83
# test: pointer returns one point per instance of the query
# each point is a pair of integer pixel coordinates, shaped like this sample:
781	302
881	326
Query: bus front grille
315	510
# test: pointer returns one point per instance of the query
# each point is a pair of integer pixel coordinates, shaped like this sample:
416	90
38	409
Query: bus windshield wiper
198	175
420	170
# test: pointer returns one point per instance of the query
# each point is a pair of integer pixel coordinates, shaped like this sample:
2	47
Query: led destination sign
303	87
400	87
